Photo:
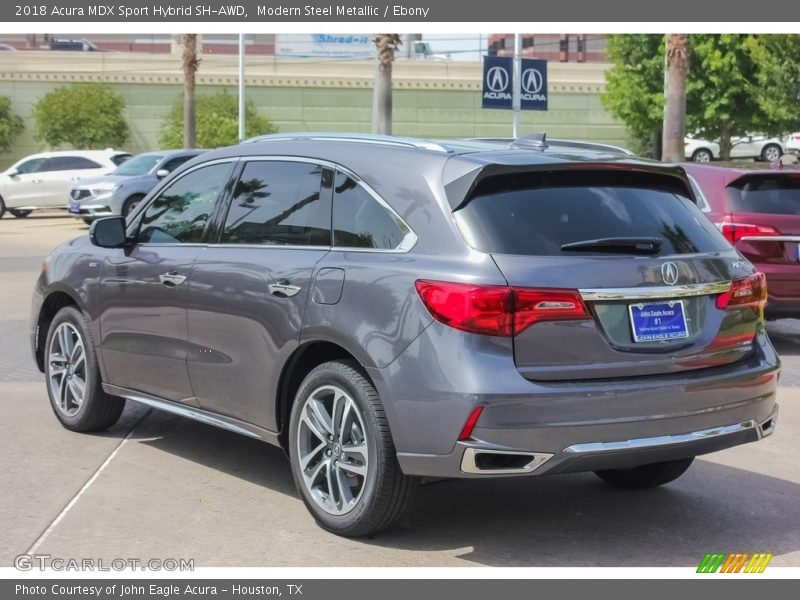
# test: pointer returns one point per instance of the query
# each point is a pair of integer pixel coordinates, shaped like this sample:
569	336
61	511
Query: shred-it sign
498	83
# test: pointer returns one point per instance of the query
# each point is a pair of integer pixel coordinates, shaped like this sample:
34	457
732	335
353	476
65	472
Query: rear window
766	195
536	214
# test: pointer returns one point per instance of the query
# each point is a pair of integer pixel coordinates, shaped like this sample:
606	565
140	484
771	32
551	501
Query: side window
359	221
280	203
180	213
69	163
33	165
173	163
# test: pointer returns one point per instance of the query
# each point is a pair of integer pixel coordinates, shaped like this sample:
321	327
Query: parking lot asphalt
159	486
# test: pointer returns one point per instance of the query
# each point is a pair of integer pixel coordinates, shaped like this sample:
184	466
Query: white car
44	180
792	144
751	146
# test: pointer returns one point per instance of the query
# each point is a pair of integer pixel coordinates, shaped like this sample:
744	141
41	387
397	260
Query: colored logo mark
740	562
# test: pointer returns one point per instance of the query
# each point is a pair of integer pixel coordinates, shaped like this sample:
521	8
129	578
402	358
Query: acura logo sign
532	81
497	79
669	273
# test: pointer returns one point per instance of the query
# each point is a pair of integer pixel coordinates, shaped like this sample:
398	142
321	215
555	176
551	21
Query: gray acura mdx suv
388	309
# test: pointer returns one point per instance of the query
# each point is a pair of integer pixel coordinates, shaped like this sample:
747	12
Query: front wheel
20	214
771	153
702	155
342	456
646	476
73	377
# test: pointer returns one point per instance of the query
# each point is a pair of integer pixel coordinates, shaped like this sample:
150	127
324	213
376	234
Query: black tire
770	149
2	207
702	155
131	203
20	214
88	221
386	493
646	476
98	410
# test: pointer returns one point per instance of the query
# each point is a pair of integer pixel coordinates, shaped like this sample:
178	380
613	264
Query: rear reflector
750	291
496	309
733	232
469	425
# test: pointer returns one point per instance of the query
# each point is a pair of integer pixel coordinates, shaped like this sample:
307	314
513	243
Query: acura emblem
669	273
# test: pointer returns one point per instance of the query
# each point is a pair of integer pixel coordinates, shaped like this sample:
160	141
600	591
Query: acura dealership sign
498	83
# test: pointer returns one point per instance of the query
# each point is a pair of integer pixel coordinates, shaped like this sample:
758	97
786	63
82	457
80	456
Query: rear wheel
702	155
88	221
771	152
342	456
20	214
646	476
73	377
130	204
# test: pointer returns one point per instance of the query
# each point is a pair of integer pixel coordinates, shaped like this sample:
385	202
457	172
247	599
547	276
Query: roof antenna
536	140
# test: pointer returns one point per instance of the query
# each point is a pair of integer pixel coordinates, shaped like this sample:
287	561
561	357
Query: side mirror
12	172
161	173
108	232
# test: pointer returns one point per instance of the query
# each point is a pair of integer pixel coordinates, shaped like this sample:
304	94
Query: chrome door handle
171	279
283	288
36	181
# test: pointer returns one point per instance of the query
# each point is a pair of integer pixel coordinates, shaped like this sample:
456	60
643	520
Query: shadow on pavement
785	336
564	520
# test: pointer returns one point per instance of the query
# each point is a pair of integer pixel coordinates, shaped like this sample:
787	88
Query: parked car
71	45
792	143
758	211
44	180
387	309
752	146
121	191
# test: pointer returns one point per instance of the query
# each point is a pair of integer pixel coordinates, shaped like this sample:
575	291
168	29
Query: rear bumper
430	390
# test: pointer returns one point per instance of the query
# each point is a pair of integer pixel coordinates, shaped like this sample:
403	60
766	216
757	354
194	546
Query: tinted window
279	203
770	195
139	165
533	214
174	163
118	159
31	166
69	163
180	213
359	221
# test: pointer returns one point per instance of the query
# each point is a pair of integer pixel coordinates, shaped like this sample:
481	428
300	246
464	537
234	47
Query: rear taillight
469	424
750	291
733	232
498	310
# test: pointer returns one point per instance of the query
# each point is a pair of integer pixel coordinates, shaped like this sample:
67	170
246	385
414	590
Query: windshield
138	165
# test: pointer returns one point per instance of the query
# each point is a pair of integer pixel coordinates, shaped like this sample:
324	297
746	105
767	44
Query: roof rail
358	138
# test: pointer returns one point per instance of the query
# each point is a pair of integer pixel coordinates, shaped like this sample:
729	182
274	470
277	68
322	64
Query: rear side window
536	214
767	195
280	203
359	220
118	159
69	163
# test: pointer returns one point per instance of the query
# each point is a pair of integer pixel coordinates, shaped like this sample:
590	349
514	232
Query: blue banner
497	75
534	84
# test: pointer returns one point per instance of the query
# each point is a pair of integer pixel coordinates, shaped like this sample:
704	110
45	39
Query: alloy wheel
332	449
67	373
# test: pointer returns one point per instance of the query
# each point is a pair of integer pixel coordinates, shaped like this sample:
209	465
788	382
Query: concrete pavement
158	486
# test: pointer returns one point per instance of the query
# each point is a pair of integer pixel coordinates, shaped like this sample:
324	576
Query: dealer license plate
655	321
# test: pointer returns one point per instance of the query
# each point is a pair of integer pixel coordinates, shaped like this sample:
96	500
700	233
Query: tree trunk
190	65
676	72
386	44
725	144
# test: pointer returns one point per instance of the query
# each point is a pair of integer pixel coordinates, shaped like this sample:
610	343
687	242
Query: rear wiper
622	245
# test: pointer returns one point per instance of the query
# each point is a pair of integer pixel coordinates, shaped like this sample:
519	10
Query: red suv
758	211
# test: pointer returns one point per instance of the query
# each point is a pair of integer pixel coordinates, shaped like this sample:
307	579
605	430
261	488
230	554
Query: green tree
217	122
83	115
777	78
635	88
10	124
721	97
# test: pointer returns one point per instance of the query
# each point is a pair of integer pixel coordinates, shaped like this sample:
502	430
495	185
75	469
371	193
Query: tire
131	203
2	207
94	410
376	494
88	221
646	476
20	214
771	152
702	155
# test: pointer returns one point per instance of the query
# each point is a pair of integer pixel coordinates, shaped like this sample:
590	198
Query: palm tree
386	44
190	65
676	71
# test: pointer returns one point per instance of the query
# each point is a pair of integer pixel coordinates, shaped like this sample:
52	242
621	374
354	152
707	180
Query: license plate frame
660	321
74	207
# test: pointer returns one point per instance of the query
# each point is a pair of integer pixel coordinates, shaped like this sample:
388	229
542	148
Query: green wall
423	113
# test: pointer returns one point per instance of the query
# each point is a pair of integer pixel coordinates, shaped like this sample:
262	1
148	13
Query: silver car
389	309
119	192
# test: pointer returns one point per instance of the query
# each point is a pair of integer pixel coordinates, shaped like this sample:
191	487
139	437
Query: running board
198	414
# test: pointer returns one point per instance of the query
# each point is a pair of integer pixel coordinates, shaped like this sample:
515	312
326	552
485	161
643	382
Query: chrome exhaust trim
470	460
767	426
